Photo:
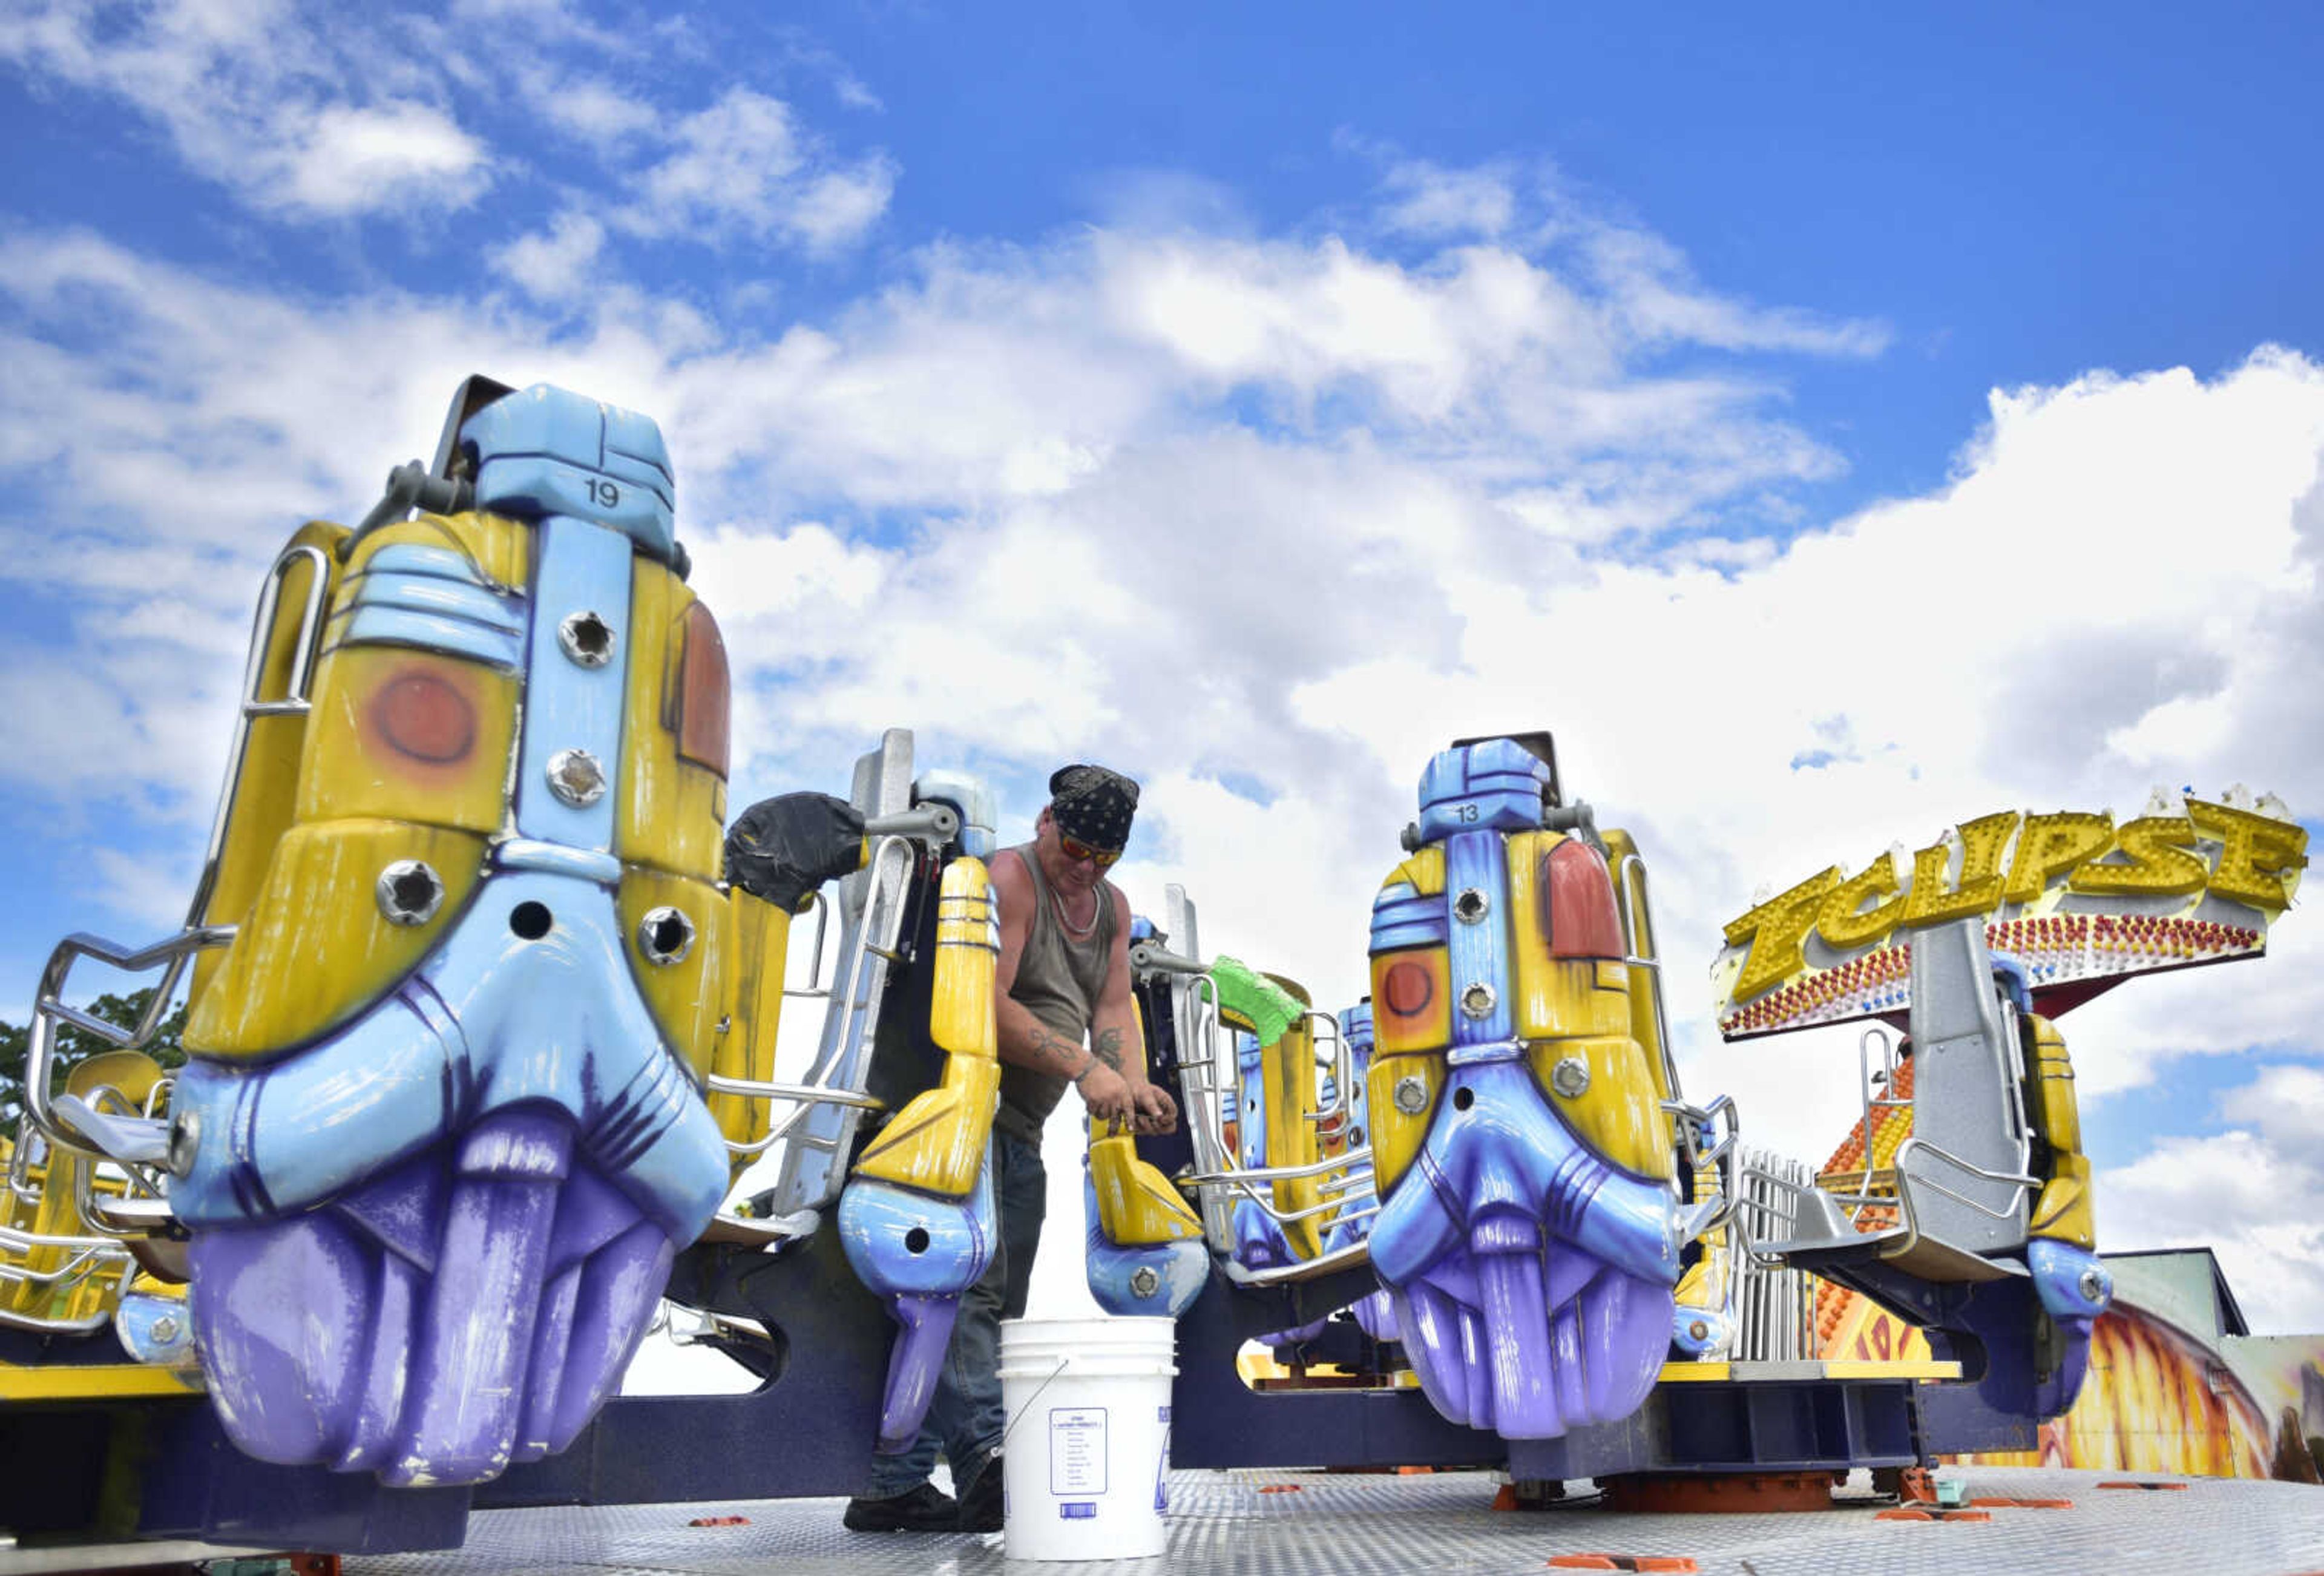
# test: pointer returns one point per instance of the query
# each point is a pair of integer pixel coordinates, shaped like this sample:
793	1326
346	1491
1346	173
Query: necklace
1077	932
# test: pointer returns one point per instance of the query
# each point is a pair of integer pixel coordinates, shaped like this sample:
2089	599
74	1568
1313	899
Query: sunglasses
1077	851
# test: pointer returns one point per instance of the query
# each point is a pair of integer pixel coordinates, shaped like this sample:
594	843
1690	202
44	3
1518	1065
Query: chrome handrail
2021	1183
49	1009
1342	1068
1202	1080
1302	1269
1691	1121
1639	957
815	958
295	701
1256	1173
930	825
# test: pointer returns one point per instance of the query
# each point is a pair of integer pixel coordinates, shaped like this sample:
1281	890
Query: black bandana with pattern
1092	805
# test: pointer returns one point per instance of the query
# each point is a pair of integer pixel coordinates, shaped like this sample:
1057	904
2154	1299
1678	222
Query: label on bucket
1077	1450
1078	1511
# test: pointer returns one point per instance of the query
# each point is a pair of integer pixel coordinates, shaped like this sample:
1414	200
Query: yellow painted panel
1617	1114
1425	871
1136	1205
317	950
266	796
2064	1212
1722	1373
687	998
1288	1079
1903	1368
961	1012
937	1142
350	770
1397	1133
1420	979
2054	1073
1695	1373
498	548
754	1012
94	1381
670	813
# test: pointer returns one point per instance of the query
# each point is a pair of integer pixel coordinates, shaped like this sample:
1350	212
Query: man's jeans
964	1416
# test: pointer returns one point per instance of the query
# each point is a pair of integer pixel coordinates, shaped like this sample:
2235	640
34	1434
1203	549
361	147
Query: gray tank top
1059	980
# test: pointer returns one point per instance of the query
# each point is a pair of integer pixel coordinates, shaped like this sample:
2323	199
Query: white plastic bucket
1085	1463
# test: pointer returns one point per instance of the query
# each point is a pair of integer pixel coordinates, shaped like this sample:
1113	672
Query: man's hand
1106	1092
1154	1112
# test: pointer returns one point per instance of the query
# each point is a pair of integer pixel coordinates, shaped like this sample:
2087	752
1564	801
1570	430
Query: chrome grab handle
1906	1180
933	824
1304	1269
1342	1064
815	958
1204	1084
1633	868
1254	1173
49	1009
1691	1121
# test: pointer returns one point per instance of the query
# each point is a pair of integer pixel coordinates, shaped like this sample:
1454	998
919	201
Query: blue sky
1835	425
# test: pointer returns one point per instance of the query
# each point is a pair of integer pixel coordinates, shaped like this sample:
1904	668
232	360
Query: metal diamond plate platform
1280	1523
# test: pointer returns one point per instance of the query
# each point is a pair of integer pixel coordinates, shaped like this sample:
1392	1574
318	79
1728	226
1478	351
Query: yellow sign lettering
1837	919
1933	902
1775	931
2160	865
2051	845
2254	853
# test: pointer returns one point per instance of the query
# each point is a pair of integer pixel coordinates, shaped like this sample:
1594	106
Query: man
1065	1016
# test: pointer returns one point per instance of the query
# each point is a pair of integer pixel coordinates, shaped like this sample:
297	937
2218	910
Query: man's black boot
980	1498
923	1508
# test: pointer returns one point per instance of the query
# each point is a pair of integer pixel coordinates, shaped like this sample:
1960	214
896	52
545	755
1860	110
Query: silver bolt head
2094	1286
165	1328
1477	999
665	936
1472	904
586	639
576	777
410	892
1411	1095
1144	1282
1570	1077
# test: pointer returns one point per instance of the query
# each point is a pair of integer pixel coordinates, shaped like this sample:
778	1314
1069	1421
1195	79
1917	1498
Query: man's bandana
1093	806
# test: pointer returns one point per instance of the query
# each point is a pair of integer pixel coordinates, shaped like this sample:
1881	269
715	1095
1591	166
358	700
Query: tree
167	1046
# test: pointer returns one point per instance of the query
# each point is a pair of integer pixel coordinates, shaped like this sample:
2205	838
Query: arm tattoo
1107	1049
1059	1051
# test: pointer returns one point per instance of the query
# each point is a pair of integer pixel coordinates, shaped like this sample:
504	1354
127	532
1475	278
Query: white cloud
301	114
352	160
2285	1104
554	266
745	166
311	113
1659	300
2247	1195
590	108
1429	199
